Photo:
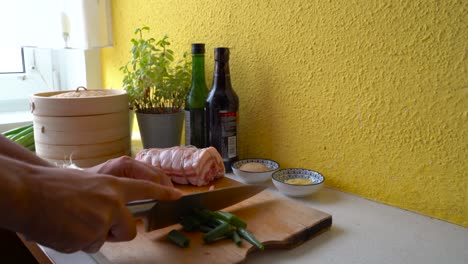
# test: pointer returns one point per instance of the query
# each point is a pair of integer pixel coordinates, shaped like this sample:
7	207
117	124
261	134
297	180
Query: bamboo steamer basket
85	130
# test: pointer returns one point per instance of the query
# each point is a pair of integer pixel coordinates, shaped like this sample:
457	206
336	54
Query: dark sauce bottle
222	110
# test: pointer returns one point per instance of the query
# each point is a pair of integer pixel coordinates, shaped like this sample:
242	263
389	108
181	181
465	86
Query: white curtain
81	24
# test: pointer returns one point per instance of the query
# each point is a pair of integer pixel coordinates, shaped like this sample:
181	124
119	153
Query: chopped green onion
190	223
236	238
215	226
203	216
217	232
205	228
230	218
178	238
16	130
24	132
31	147
250	238
26	140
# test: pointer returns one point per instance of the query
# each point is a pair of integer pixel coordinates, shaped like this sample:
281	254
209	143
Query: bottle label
228	134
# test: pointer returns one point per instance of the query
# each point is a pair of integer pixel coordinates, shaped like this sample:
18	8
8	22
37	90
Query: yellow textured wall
373	94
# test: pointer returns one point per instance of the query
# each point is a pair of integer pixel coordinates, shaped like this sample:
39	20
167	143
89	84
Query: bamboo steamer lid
86	127
100	102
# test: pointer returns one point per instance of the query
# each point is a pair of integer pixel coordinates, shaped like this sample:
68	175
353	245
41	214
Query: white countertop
363	232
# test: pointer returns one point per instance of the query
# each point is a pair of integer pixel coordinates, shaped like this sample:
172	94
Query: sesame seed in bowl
254	170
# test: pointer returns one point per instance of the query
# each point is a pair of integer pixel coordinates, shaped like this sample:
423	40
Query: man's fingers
165	180
140	190
145	171
157	174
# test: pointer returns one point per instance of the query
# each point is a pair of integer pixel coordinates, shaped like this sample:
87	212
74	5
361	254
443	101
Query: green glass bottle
195	131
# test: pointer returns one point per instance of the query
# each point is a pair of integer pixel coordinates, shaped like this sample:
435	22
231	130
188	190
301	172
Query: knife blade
159	214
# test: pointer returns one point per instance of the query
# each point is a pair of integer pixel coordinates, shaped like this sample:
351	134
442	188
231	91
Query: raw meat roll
186	165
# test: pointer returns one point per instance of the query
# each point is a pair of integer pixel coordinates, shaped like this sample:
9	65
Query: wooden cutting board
277	222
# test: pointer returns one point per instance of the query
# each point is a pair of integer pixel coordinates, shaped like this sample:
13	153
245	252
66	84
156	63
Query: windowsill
9	120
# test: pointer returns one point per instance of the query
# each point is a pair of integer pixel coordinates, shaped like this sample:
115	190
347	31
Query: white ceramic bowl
297	190
254	177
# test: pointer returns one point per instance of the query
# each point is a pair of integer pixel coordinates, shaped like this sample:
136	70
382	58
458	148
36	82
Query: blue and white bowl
297	190
255	177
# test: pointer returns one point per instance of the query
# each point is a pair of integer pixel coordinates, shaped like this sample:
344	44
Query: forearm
14	200
15	151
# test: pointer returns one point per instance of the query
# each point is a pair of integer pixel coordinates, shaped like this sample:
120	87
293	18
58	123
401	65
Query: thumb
123	227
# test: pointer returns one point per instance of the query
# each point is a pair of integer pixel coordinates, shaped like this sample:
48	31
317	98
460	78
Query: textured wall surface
373	94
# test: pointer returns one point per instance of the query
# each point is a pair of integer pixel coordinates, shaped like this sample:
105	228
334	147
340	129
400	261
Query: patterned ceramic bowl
297	182
249	176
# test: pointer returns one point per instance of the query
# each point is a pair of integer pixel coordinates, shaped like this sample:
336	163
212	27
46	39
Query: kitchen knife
159	214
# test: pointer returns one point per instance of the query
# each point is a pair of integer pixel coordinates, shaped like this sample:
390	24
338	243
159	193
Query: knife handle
141	210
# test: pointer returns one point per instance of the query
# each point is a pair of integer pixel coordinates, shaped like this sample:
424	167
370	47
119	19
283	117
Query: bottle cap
221	54
198	48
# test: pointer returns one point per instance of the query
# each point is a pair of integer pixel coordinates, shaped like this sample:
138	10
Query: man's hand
127	167
71	210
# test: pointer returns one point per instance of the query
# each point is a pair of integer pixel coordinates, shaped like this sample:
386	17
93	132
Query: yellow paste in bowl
299	181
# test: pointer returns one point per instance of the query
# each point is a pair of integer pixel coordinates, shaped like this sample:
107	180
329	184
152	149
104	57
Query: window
16	85
12	60
43	70
75	29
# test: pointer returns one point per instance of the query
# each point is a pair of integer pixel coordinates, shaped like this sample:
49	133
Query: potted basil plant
157	87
